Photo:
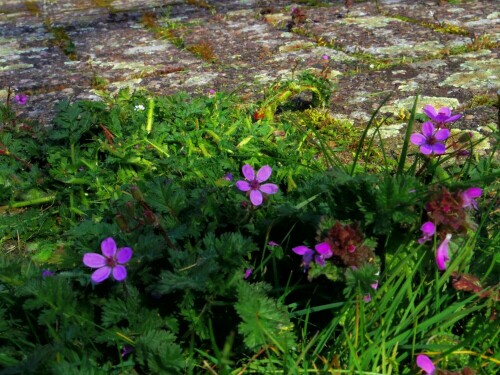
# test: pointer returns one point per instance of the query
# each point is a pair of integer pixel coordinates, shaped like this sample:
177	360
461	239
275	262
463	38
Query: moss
203	50
440	27
98	83
62	40
200	4
164	31
102	3
483	100
32	7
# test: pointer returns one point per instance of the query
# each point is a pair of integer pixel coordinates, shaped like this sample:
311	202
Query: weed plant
148	234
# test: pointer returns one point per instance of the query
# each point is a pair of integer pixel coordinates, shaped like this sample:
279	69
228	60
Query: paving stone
396	47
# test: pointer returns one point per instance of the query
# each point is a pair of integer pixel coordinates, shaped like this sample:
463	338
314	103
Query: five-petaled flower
253	183
323	251
111	262
428	229
430	141
468	197
442	253
21	99
425	363
440	117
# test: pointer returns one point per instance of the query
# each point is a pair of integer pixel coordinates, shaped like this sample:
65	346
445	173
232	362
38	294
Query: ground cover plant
151	234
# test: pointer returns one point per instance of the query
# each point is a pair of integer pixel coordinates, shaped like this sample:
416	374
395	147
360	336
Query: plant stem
32	202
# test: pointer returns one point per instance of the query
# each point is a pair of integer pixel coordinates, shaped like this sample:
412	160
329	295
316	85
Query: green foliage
264	320
151	172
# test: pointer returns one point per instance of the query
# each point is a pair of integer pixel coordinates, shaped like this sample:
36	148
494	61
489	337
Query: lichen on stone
407	104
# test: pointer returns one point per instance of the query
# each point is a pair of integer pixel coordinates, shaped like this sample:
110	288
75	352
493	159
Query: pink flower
428	229
442	253
247	274
325	57
469	195
425	363
111	262
21	99
253	183
442	116
307	255
273	244
323	251
430	141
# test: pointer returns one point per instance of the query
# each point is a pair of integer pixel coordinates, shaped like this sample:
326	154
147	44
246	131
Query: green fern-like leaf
265	321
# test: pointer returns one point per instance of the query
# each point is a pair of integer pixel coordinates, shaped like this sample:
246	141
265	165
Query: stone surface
447	54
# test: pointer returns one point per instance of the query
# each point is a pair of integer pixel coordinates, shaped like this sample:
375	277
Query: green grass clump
215	283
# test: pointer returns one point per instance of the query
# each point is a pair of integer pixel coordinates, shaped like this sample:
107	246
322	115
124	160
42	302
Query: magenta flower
47	273
111	262
228	177
253	183
273	244
323	251
430	141
428	229
442	253
325	57
247	274
21	99
442	116
307	255
127	349
468	197
425	363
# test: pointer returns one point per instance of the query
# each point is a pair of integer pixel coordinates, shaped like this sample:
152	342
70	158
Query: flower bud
149	217
136	193
122	222
130	209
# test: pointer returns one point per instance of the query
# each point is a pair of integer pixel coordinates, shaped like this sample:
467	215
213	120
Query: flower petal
442	253
243	185
427	129
301	250
438	148
256	197
324	249
269	188
426	149
468	197
119	273
123	255
320	260
429	111
444	112
453	118
473	192
418	139
94	260
425	364
108	247
442	134
248	172
100	274
428	228
264	173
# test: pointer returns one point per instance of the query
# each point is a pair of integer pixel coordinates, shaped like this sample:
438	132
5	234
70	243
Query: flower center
110	262
254	185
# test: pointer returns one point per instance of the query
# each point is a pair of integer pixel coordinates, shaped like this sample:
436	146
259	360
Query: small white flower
139	107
